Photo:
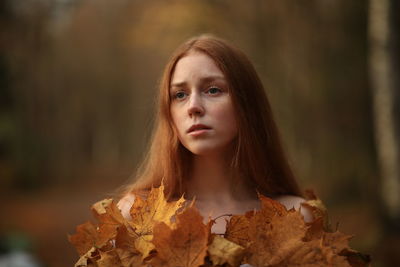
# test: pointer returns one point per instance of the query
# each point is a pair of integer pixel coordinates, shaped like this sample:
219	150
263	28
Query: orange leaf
237	229
185	245
318	209
274	238
85	238
146	213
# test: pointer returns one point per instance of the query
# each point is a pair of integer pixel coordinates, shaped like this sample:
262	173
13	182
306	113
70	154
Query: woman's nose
196	107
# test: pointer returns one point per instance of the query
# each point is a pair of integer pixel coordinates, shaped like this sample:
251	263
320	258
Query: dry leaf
86	237
223	251
272	236
146	213
88	259
108	258
185	244
125	248
318	209
273	239
237	229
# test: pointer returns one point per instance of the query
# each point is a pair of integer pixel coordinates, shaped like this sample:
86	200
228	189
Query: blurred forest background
77	86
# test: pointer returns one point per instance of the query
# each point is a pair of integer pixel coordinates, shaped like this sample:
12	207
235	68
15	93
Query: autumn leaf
88	259
107	212
271	236
86	237
183	245
355	258
110	218
222	251
317	208
125	248
274	237
146	213
108	258
313	254
237	229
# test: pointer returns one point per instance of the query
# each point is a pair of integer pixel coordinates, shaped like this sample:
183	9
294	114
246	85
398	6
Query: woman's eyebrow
203	80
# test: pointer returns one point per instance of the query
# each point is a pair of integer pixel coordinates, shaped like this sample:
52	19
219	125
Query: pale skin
200	95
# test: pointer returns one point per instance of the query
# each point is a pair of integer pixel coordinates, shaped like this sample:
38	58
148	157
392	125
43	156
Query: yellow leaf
88	259
223	251
146	213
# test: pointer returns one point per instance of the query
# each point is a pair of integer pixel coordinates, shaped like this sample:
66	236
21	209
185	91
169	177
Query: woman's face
201	106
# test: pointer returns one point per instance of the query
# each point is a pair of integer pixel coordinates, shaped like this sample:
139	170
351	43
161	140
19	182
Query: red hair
259	161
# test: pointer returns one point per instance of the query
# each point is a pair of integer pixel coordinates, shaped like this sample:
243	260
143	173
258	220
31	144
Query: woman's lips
196	127
199	132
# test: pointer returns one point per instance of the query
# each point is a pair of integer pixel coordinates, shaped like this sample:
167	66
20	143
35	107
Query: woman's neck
211	181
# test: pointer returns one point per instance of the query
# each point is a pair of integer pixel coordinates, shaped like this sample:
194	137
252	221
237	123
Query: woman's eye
214	90
180	95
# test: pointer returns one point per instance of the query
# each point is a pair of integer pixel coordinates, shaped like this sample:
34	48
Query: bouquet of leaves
163	233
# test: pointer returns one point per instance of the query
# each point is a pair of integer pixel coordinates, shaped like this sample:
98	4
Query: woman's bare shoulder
125	204
290	202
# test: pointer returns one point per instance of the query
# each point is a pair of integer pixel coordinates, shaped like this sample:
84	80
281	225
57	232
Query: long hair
258	161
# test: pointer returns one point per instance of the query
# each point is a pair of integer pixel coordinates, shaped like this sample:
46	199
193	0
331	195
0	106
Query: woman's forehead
196	65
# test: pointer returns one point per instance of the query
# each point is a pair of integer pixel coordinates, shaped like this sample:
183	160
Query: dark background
77	85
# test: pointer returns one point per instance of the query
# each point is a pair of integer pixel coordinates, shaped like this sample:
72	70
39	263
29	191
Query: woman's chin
210	150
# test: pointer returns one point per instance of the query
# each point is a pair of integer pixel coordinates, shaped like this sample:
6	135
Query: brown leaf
185	245
337	240
313	254
110	218
108	259
315	229
318	209
146	213
107	212
125	248
270	208
88	259
85	238
274	237
356	259
223	251
237	229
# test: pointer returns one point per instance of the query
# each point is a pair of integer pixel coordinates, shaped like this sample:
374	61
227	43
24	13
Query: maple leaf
313	254
108	259
125	248
317	208
86	237
223	251
110	218
146	213
185	244
237	229
88	259
107	212
355	258
274	238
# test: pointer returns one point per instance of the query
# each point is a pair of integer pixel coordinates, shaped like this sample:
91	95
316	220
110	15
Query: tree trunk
383	57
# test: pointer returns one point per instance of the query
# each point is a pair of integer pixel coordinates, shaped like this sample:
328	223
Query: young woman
215	137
